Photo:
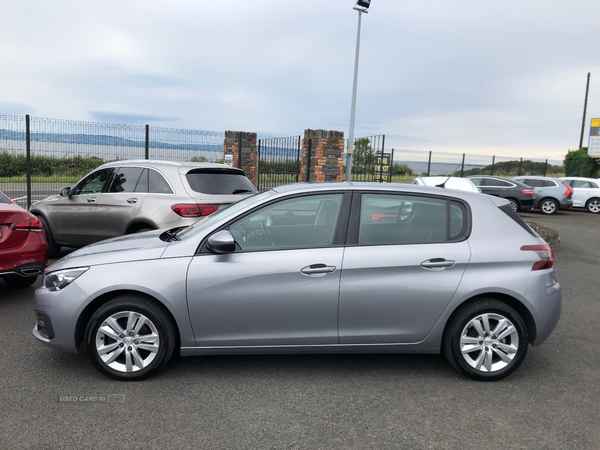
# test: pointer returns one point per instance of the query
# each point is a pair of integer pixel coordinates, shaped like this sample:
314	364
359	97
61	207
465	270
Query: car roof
159	163
368	186
595	180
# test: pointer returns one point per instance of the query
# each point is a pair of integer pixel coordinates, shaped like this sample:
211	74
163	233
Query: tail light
193	209
544	252
528	192
569	190
32	224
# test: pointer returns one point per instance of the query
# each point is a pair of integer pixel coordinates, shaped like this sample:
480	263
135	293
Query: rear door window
219	182
125	179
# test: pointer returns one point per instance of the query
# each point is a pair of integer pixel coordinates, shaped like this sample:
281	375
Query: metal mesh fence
175	144
13	168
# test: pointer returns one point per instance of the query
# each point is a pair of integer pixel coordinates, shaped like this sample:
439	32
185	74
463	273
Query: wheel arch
138	225
93	306
514	303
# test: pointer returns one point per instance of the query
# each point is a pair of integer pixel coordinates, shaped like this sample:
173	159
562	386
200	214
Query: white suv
586	193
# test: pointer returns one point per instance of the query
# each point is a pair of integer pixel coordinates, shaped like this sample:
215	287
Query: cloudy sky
477	76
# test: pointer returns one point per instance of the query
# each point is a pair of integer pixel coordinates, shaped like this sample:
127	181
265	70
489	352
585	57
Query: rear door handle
132	200
437	263
91	200
317	269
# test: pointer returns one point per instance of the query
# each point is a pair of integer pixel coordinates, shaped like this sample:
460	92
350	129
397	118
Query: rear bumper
26	270
545	304
32	252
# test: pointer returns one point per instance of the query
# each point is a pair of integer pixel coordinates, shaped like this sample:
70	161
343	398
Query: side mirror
221	242
64	192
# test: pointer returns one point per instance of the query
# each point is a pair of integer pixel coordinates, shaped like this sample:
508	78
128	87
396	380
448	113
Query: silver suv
551	194
124	197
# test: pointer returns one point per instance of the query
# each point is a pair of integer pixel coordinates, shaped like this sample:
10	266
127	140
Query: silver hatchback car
333	267
125	197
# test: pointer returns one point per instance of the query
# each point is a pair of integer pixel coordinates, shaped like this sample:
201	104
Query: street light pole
361	7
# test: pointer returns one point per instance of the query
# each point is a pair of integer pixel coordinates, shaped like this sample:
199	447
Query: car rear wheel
514	204
53	247
486	340
130	338
593	205
548	206
17	281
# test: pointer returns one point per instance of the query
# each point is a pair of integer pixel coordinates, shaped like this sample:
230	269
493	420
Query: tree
363	161
579	164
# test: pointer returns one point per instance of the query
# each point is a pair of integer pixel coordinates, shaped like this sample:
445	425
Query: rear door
117	207
403	263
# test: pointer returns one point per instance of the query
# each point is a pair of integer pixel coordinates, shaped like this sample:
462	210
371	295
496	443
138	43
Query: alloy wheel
127	341
593	206
489	342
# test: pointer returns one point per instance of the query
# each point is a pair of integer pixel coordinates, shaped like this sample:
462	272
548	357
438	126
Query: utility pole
587	89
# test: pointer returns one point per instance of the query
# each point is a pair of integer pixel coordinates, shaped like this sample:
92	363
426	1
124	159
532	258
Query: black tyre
16	281
53	247
514	204
593	205
487	340
130	338
548	206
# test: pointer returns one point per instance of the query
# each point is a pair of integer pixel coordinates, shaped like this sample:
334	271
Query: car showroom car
463	184
586	193
325	268
551	194
23	249
124	197
520	196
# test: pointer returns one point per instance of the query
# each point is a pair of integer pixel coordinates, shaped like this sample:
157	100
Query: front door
281	285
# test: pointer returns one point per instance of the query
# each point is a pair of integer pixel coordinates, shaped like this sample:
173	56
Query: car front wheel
548	206
593	205
486	340
130	337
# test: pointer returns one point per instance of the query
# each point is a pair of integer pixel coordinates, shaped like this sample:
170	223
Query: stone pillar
326	161
234	140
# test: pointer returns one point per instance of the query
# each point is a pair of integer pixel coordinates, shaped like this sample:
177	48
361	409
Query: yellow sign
595	122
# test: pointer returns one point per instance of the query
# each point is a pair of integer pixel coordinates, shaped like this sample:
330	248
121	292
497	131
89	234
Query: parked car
520	196
309	268
586	193
551	194
23	246
463	184
125	197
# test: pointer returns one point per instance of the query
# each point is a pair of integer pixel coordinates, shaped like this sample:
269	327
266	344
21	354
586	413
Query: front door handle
437	263
132	200
317	269
91	200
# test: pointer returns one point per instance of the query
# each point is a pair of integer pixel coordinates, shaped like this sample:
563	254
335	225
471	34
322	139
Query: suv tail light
528	192
194	209
32	224
569	190
544	252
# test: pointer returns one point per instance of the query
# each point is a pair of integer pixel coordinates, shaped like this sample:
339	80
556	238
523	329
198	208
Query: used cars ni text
124	197
23	249
332	267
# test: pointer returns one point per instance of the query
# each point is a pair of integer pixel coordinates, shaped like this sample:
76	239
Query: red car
23	247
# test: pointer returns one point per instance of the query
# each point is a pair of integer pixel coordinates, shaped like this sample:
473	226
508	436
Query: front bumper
60	309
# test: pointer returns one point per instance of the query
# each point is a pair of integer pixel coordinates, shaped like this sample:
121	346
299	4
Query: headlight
55	281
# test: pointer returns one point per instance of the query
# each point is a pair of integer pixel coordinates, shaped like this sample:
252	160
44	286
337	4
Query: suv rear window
219	182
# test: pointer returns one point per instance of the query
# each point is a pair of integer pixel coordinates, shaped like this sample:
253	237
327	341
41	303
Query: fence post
382	151
298	159
258	186
147	143
308	158
429	164
545	167
520	165
28	158
240	150
462	167
493	162
391	174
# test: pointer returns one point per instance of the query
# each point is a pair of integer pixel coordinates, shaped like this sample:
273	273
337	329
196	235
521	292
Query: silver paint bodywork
371	298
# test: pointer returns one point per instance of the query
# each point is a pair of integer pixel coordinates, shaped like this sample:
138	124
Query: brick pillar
326	156
249	161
